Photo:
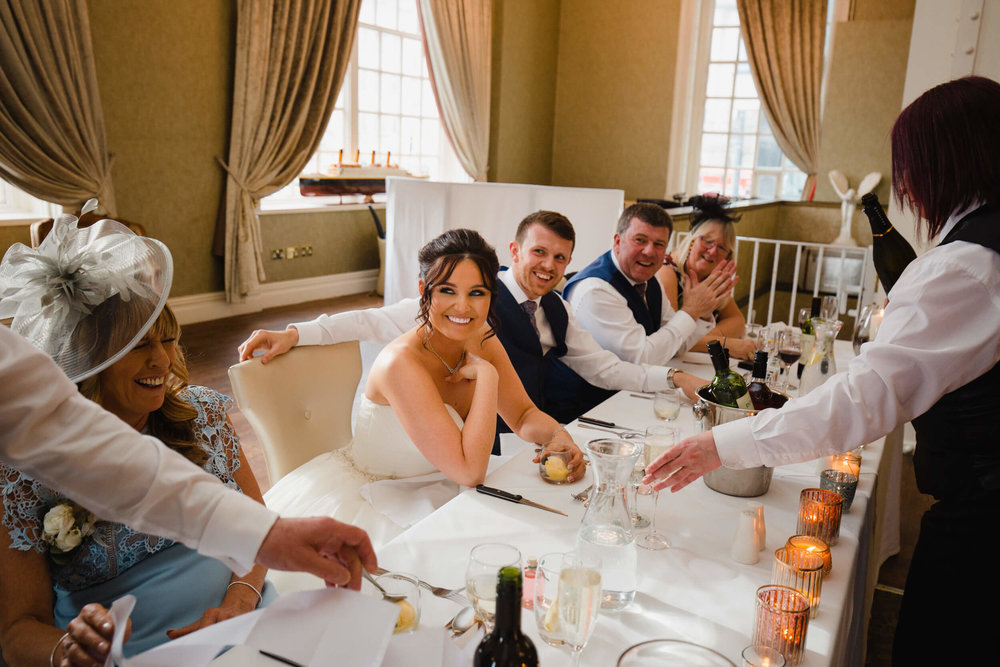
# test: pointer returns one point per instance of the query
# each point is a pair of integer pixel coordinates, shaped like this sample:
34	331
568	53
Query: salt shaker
759	528
744	549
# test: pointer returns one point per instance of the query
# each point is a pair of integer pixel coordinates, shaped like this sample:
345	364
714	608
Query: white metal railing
831	273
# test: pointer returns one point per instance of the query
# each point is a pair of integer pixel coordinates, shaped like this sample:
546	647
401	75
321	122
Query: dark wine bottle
724	388
890	251
507	646
760	394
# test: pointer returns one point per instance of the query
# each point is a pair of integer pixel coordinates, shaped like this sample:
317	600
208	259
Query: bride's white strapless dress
379	482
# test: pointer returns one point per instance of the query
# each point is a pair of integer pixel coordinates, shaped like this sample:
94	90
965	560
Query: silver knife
514	498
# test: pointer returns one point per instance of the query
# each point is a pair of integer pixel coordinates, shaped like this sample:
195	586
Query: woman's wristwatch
670	378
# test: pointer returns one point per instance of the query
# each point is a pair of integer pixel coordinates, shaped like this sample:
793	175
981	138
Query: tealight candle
801	570
840	482
849	462
812	545
781	621
819	514
762	656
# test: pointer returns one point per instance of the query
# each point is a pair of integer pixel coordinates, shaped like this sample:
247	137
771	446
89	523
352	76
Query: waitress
934	361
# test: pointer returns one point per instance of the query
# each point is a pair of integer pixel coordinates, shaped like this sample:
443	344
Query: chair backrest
299	404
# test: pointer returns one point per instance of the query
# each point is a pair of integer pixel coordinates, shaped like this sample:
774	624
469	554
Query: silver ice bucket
746	482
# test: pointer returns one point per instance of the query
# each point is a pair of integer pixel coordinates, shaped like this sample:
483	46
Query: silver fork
453	594
583	495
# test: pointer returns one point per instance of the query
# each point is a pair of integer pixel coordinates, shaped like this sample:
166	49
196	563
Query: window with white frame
17	205
386	109
737	153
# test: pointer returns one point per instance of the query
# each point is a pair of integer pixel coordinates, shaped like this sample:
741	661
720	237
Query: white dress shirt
584	355
939	333
51	432
602	311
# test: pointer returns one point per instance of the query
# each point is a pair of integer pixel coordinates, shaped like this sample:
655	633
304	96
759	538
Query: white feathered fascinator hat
85	296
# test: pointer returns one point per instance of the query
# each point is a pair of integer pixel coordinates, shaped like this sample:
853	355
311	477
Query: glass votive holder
762	656
840	482
849	462
819	514
812	545
801	570
781	621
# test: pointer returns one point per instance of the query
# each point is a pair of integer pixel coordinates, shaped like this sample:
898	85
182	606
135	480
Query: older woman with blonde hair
711	241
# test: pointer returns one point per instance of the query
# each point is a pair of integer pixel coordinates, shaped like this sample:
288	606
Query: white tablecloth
693	591
417	210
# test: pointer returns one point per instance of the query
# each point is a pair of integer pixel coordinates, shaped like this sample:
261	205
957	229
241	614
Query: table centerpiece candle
781	621
812	545
801	570
840	482
819	514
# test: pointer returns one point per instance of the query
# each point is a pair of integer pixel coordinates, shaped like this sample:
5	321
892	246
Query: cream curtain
784	41
291	57
457	41
52	142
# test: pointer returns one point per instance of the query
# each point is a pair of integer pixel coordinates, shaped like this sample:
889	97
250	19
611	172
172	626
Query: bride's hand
474	368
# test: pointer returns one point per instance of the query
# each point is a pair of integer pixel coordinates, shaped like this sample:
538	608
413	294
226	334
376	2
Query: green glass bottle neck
508	618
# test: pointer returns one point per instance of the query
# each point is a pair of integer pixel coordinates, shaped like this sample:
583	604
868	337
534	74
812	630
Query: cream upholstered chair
299	404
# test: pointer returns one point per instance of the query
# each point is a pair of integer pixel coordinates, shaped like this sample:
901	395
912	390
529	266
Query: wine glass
485	561
829	308
666	405
867	325
578	601
789	346
658	440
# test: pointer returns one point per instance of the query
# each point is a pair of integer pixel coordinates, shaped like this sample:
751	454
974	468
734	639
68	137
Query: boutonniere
64	528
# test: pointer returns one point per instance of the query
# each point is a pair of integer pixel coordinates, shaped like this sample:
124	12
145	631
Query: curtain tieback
239	181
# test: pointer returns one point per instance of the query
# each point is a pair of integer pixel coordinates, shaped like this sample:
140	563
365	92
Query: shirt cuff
735	444
310	333
683	324
235	531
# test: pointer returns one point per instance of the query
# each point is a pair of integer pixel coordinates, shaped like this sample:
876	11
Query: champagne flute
578	601
829	308
789	350
635	482
658	440
485	560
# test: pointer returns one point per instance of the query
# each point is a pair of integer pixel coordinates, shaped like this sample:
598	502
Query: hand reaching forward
272	342
474	368
684	463
89	640
333	551
702	298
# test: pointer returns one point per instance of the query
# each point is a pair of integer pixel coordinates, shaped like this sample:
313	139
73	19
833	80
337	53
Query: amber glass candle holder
819	514
840	482
781	620
849	462
801	570
812	545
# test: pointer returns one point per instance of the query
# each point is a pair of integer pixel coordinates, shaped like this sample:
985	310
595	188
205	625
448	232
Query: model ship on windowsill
352	178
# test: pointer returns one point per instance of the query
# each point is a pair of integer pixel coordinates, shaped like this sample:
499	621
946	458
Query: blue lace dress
173	585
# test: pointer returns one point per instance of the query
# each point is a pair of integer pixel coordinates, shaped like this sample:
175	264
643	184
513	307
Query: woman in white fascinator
95	300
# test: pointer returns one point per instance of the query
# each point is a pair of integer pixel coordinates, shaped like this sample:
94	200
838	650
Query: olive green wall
614	94
525	53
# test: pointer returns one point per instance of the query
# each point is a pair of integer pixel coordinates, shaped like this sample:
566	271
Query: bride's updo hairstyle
438	259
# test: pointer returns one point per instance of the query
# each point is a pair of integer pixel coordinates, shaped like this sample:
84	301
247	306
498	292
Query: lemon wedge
551	621
407	616
555	469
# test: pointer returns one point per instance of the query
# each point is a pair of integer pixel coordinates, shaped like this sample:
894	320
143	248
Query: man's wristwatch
670	378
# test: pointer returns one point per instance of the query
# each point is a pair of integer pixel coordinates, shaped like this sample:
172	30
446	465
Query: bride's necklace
451	369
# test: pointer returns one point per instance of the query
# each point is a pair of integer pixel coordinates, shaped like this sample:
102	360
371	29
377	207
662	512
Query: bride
427	419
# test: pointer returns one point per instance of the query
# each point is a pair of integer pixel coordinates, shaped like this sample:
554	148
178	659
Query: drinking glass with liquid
485	560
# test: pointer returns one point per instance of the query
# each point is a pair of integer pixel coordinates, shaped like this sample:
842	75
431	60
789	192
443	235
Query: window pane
408	21
724	43
333	137
765	127
709	180
792	184
367	132
429	136
716	115
367	48
428	105
390	94
413	56
768	153
391	50
744	184
767	186
730	185
368	90
389	139
725	13
410	100
744	82
713	150
742	56
741	150
410	139
367	13
745	114
385	13
720	80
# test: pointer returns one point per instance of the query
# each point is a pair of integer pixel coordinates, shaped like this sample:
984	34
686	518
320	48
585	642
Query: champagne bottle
808	336
760	394
724	389
507	646
890	251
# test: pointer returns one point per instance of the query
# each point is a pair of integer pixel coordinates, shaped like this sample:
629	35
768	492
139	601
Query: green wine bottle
507	646
890	251
724	388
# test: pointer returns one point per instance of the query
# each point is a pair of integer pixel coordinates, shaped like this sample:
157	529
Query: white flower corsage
64	528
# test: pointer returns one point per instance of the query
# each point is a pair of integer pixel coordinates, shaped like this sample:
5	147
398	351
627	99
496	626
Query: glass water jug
821	365
606	529
867	325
